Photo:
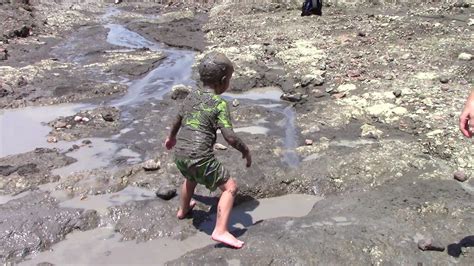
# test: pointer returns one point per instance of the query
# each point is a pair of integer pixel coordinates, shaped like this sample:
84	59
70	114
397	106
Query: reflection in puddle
120	36
102	202
247	213
351	143
253	130
103	245
269	97
95	155
266	93
24	129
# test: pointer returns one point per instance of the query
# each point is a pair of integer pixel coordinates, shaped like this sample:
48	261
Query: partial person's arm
466	119
171	139
225	125
234	141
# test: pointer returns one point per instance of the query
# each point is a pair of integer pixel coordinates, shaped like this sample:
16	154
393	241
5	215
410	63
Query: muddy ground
368	122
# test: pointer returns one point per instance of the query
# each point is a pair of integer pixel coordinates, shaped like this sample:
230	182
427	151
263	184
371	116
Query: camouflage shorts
207	171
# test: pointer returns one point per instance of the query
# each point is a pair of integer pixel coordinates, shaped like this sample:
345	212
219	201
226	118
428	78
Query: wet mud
350	117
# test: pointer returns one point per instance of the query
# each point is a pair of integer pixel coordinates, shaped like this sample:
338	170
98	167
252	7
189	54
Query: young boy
202	113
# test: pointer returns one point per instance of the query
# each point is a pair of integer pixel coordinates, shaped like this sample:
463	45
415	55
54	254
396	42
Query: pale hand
466	119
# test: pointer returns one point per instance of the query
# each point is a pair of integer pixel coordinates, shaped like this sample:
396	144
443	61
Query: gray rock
444	79
22	82
369	131
235	103
346	87
314	79
86	142
52	139
306	80
166	192
397	93
44	264
428	245
291	97
60	124
3	54
151	165
108	117
35	222
353	73
179	92
7	170
4	92
465	57
317	93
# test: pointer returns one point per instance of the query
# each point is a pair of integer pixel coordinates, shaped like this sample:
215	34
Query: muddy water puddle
269	97
99	153
25	129
100	203
104	246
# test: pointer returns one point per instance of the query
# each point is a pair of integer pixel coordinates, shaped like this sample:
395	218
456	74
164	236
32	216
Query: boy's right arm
234	141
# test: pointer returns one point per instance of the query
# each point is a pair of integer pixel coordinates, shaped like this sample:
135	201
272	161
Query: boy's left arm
171	139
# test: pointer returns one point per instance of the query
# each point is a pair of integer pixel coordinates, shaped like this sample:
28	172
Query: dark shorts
207	171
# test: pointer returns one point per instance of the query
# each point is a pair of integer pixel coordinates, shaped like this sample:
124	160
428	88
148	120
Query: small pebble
235	103
308	142
460	176
219	146
108	117
166	192
427	244
151	165
443	79
52	139
397	93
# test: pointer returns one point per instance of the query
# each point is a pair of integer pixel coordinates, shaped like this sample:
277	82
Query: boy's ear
223	79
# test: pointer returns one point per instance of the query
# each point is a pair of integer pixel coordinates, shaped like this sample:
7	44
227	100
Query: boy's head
215	71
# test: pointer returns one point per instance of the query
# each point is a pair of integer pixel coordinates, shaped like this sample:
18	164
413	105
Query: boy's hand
466	119
170	142
248	158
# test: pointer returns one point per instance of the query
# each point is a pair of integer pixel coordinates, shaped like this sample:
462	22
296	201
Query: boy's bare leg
221	233
186	204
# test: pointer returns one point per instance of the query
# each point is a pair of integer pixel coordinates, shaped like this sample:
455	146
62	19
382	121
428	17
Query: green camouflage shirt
202	114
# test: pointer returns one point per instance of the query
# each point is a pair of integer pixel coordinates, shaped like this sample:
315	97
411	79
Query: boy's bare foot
228	239
183	213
